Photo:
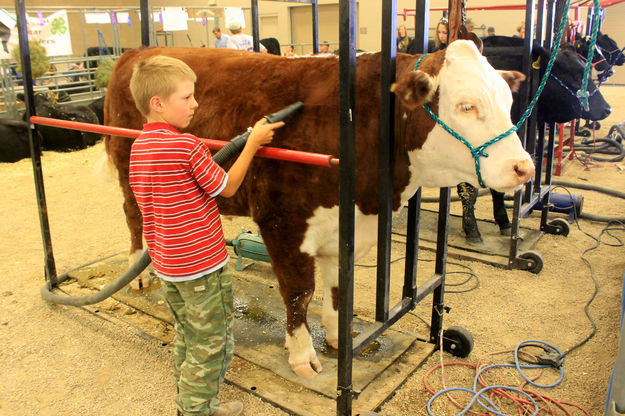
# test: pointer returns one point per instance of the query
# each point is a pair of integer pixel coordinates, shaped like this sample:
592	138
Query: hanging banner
53	35
234	14
174	18
7	23
96	18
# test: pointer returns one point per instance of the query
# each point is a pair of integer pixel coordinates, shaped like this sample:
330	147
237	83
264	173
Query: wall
278	16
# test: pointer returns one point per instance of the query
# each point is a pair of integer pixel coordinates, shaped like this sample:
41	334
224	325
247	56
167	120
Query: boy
175	182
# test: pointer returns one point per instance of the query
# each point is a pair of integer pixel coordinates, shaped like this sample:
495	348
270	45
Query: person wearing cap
324	47
240	40
221	39
469	24
490	31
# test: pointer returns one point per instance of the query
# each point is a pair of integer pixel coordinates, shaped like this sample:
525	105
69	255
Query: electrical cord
526	401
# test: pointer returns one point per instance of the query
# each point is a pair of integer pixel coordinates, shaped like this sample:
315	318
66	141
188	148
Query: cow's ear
513	78
414	88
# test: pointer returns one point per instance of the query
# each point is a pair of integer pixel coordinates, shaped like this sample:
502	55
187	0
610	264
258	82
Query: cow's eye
467	108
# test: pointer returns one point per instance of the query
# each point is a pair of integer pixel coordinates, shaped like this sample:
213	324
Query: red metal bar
603	4
296	156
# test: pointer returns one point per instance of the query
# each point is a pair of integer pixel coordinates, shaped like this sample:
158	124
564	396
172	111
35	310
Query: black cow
64	140
606	56
557	104
13	140
97	106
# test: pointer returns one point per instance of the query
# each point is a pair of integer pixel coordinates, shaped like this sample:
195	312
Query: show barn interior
545	295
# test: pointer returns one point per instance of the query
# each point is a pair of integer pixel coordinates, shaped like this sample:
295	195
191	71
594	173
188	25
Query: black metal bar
315	26
536	144
523	131
145	22
35	145
422	23
347	106
504	51
438	300
412	247
529	139
255	32
402	308
385	164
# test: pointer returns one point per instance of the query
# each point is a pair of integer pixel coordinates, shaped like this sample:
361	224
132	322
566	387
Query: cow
296	206
13	140
557	104
606	56
62	140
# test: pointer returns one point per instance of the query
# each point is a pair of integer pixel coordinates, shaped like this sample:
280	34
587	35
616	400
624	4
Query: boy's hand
262	132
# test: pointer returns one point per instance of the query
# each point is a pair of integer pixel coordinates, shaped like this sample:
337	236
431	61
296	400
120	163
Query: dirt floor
58	360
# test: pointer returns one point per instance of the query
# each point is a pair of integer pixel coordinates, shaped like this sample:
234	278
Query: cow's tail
104	166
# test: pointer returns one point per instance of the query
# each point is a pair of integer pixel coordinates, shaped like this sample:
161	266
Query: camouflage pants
204	342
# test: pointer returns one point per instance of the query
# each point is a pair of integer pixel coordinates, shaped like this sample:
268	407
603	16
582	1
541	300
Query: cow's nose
524	170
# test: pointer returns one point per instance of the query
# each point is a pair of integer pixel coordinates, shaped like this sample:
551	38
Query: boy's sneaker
229	409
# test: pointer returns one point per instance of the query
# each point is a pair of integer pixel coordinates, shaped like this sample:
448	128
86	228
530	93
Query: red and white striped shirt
175	181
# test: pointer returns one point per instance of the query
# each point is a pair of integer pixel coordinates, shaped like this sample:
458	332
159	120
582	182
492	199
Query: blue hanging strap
101	42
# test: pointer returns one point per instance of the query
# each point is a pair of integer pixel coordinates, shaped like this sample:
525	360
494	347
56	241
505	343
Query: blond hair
157	76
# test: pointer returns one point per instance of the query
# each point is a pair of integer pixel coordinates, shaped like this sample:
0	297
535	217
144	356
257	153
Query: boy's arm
261	134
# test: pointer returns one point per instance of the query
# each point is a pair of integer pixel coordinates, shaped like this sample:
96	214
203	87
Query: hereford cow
557	104
296	205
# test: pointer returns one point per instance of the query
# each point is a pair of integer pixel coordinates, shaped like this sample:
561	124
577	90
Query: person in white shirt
240	40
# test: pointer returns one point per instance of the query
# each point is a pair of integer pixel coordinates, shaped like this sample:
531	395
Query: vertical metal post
412	248
255	32
524	132
146	17
347	106
438	299
385	164
315	26
35	145
422	25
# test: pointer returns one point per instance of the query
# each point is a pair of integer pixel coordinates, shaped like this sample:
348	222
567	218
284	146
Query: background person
221	40
440	39
403	40
324	47
240	40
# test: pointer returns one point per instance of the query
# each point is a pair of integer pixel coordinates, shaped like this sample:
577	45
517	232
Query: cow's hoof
506	230
308	370
475	240
333	343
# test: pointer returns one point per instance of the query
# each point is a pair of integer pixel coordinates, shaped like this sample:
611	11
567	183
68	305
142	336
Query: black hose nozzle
236	145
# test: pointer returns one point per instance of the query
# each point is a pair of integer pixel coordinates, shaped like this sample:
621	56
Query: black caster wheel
583	133
533	261
561	227
457	341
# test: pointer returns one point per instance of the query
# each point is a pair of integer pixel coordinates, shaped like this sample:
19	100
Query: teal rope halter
582	93
478	152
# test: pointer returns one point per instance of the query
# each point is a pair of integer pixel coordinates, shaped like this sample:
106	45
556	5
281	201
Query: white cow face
475	101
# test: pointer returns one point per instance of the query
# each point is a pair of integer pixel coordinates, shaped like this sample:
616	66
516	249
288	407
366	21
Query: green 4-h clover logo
58	26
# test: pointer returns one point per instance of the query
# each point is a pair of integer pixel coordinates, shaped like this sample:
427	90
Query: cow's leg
468	196
296	276
330	315
499	211
135	226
